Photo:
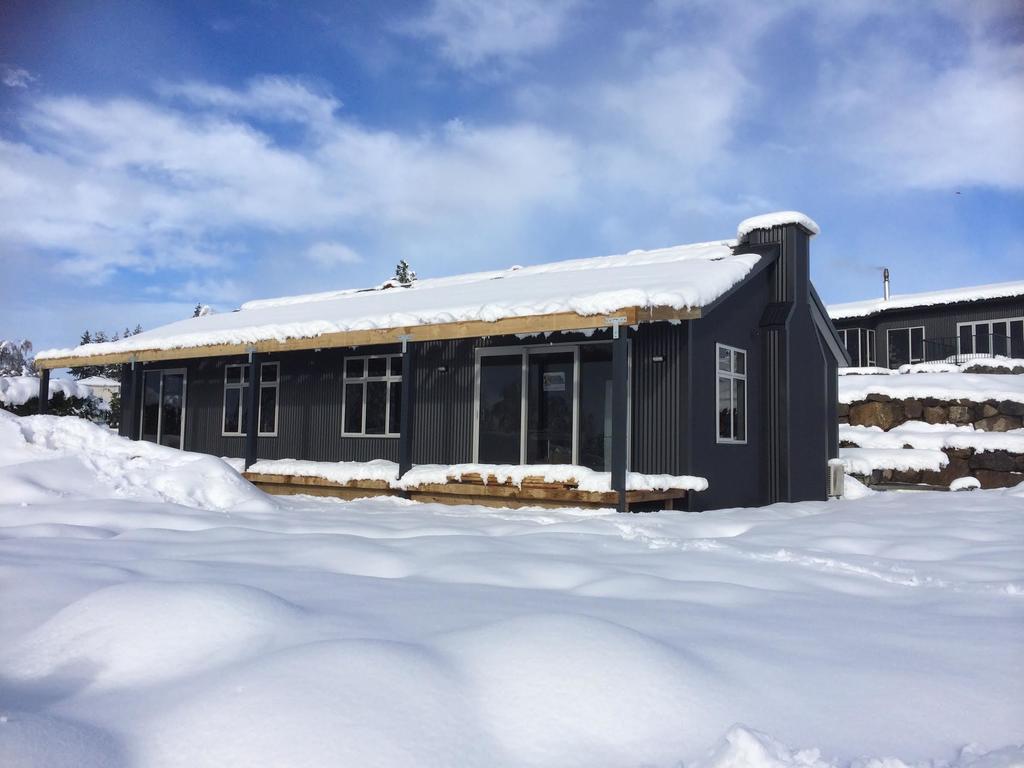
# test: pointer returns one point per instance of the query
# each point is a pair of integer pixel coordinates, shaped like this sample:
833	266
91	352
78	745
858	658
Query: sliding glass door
545	405
500	423
550	415
163	408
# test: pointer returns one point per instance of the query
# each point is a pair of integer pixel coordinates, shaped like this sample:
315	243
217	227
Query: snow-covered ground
158	611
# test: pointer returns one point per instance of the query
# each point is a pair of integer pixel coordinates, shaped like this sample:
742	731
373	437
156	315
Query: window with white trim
905	345
372	396
731	392
236	400
860	343
992	337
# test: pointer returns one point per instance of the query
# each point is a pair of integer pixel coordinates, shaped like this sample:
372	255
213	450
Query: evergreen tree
16	358
403	273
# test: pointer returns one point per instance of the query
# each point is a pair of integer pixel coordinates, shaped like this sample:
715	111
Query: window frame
972	323
523	351
241	386
909	330
732	375
865	345
365	379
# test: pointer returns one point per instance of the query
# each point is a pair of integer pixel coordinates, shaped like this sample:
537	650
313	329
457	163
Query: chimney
885	283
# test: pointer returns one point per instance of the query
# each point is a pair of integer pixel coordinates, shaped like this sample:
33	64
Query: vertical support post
44	390
620	396
135	406
405	435
252	420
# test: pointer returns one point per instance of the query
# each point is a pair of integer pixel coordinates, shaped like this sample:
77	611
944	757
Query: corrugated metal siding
310	401
443	402
939	321
658	399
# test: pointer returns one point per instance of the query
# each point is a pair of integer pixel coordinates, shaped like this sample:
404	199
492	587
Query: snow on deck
143	626
584	478
681	277
926	299
977	387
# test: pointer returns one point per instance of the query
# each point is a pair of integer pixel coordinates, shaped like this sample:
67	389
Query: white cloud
331	254
125	184
15	77
920	127
279	98
473	32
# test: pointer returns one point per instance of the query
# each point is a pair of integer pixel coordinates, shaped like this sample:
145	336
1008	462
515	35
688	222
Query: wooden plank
259	477
556	321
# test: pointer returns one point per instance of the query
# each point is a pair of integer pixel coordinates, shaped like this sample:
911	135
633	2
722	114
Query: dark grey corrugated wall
658	399
310	403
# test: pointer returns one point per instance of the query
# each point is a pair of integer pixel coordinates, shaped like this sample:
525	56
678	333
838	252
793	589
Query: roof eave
553	322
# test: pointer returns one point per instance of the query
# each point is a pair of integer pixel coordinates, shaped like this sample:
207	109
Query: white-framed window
860	343
372	396
905	345
991	337
236	400
731	389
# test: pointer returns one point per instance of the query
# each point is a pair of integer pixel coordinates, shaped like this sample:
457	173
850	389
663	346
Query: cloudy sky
155	155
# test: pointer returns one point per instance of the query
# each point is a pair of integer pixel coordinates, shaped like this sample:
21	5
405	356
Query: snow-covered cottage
702	371
954	325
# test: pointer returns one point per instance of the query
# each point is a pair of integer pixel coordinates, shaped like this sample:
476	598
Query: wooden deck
471	489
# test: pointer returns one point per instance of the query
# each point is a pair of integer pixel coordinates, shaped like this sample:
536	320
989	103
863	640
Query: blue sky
155	155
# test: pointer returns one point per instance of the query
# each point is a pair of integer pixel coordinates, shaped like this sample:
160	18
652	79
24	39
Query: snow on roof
99	381
777	219
927	299
680	277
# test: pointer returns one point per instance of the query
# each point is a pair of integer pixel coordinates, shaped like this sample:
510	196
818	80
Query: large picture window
905	345
372	396
236	401
732	394
860	343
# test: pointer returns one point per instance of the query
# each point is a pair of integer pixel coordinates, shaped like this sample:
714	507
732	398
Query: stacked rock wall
993	469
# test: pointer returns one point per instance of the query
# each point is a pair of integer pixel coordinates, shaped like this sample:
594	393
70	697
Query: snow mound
965	484
145	633
863	461
63	456
741	747
346	703
978	387
778	219
920	434
551	685
18	390
30	740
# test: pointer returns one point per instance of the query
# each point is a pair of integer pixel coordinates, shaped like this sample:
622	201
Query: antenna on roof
885	283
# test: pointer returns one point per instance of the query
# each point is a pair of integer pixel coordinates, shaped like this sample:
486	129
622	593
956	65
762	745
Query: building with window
953	325
715	360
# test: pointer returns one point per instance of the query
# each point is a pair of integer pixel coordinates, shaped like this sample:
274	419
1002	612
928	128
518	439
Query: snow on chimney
885	283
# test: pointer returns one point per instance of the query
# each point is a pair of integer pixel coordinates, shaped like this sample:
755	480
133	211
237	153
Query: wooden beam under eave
549	323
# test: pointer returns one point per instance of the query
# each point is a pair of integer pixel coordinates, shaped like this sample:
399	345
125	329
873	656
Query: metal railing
960	349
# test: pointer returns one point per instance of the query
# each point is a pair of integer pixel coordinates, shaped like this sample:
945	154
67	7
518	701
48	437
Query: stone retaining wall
994	469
